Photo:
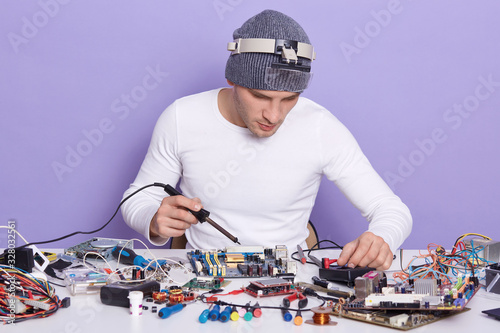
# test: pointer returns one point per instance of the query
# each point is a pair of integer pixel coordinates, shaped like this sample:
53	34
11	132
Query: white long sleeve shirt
261	190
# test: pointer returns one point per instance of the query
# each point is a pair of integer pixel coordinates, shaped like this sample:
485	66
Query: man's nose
272	112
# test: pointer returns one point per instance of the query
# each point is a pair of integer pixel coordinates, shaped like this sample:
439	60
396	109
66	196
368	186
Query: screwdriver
167	311
201	215
129	257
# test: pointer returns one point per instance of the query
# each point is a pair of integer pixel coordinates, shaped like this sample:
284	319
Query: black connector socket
66	302
19	257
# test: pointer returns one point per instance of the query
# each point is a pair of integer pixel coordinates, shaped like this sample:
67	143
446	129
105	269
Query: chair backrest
312	239
178	242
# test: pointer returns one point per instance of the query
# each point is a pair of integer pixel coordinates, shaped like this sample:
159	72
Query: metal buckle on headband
275	46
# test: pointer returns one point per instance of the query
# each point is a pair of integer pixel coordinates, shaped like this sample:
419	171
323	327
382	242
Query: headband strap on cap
270	51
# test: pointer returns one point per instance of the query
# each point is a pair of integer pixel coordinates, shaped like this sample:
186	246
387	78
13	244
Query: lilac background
67	66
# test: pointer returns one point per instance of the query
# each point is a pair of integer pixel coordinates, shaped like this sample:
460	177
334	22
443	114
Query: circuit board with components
207	283
270	287
406	305
96	248
242	261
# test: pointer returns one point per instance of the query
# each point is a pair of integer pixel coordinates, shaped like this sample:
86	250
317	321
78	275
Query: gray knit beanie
249	69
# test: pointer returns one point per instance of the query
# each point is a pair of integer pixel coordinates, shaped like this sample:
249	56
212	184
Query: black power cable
99	229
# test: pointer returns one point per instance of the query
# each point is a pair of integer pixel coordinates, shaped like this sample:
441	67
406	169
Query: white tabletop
87	313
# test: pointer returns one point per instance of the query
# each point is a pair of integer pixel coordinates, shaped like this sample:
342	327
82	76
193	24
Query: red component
212	299
327	262
257	312
160	296
296	295
189	296
176	296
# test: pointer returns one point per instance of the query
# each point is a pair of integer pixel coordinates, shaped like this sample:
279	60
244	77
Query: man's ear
230	83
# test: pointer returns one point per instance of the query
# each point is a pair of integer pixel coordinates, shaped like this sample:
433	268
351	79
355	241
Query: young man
254	154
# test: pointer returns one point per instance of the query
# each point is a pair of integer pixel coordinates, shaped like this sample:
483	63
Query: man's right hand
172	218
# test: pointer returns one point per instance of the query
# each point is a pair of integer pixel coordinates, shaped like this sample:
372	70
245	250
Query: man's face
262	111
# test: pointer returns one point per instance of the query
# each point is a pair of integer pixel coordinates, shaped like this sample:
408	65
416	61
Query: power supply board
242	262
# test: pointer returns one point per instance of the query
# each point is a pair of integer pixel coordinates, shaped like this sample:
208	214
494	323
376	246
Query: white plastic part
135	300
41	261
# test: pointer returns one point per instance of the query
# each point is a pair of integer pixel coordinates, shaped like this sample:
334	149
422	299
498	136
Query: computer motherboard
242	261
406	305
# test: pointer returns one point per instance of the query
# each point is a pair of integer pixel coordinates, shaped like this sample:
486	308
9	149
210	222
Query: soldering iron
201	215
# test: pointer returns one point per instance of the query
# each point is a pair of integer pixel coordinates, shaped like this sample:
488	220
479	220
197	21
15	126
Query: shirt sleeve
347	166
162	165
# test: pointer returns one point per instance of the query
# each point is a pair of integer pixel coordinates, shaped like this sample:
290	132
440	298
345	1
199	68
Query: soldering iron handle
317	281
201	215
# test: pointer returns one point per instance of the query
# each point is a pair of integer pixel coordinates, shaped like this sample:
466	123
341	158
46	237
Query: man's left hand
366	250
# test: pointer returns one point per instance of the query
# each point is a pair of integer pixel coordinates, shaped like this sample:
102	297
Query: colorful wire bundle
440	264
23	293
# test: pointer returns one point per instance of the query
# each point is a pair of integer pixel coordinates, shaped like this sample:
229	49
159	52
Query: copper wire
321	318
321	315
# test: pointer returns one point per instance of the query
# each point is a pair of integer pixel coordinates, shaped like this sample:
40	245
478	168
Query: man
253	154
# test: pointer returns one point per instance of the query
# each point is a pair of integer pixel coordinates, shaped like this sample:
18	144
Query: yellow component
454	290
209	262
216	259
50	255
235	257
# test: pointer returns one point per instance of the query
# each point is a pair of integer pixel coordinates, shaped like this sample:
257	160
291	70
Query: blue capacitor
214	313
287	316
225	315
204	316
